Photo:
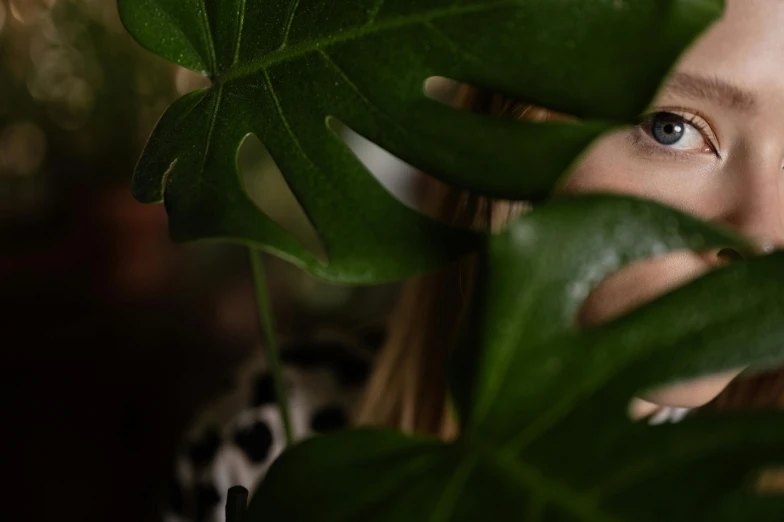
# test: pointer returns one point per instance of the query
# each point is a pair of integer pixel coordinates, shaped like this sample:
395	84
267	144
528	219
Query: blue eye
668	128
672	131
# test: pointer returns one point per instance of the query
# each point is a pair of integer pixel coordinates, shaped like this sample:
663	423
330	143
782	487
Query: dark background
111	336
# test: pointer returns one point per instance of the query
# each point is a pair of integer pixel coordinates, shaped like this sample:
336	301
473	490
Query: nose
728	255
755	205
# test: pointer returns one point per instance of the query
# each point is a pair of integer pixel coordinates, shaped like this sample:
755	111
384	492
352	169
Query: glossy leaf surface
280	69
545	434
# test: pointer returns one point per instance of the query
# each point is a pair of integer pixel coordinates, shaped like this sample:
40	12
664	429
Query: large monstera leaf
545	434
281	68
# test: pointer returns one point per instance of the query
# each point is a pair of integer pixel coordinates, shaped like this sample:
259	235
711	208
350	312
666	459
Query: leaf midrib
238	40
213	60
546	490
288	53
634	472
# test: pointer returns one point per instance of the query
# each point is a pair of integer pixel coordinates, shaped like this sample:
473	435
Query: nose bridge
757	209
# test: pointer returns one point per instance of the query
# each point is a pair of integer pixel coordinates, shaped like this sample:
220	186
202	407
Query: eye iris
667	129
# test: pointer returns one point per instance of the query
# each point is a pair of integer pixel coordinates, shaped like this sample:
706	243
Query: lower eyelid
644	143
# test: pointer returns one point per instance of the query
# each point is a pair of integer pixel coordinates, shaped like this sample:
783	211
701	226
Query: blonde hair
408	389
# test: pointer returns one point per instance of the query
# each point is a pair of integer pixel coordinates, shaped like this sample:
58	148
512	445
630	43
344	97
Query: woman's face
714	148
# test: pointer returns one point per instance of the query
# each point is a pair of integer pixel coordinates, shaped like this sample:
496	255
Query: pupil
667	128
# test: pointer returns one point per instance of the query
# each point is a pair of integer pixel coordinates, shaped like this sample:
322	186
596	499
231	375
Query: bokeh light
28	11
22	149
71	68
3	16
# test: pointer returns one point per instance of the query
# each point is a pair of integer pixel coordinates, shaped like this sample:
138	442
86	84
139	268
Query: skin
727	167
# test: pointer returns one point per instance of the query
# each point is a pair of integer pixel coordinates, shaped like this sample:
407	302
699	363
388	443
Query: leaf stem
267	325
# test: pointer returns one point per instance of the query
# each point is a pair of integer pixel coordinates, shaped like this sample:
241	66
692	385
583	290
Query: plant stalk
267	326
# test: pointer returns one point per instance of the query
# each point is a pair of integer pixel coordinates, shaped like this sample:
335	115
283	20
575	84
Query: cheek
639	283
604	167
614	165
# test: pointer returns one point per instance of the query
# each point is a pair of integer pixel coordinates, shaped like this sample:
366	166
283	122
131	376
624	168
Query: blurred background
111	335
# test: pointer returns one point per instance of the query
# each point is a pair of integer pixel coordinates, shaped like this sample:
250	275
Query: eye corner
675	126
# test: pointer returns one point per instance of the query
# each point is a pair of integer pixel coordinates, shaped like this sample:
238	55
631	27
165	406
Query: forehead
746	47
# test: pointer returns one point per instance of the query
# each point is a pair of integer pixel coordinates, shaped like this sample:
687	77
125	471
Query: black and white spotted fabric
236	438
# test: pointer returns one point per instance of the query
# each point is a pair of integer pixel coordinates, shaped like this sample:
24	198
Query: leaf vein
211	129
240	29
639	470
279	108
210	43
374	11
172	21
242	70
289	23
560	493
560	409
493	386
372	106
187	112
448	502
448	40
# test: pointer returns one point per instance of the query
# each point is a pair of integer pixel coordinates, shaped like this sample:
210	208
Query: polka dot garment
237	437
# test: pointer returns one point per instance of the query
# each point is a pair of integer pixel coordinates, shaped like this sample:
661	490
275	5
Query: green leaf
545	435
177	31
535	277
281	69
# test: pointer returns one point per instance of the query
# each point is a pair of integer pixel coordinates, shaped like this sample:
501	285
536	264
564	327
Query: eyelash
695	120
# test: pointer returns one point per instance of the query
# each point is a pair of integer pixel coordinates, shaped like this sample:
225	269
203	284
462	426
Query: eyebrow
711	88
